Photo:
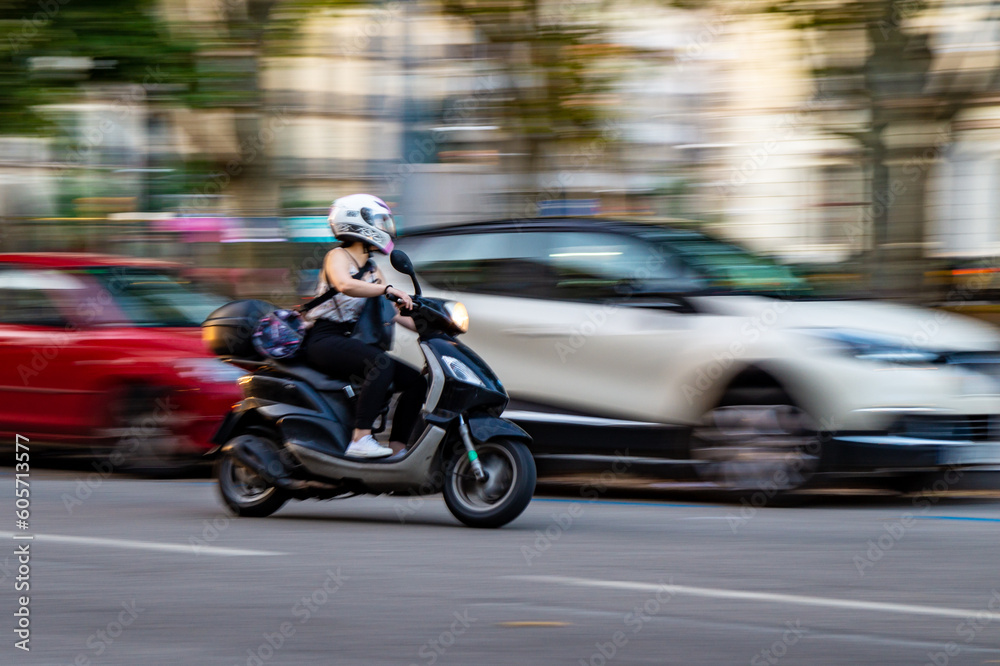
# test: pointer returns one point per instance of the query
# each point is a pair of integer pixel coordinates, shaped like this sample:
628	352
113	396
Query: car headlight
458	314
208	370
461	371
872	346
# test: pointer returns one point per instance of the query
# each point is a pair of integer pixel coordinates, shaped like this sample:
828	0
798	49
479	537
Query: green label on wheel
473	455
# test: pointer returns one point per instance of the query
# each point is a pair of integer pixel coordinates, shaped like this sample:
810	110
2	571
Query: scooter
286	439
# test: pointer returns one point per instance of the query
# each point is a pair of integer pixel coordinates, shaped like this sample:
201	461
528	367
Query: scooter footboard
314	433
407	474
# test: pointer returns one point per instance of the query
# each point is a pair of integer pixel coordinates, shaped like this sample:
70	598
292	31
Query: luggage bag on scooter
228	330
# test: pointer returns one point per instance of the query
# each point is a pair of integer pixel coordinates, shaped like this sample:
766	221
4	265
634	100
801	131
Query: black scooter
286	439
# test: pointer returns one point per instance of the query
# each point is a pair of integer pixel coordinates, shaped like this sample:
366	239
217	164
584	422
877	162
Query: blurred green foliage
127	42
49	48
17	93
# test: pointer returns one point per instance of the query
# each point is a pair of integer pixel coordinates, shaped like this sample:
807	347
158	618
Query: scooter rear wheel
502	496
244	491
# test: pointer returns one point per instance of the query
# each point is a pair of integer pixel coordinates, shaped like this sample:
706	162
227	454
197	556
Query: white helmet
364	218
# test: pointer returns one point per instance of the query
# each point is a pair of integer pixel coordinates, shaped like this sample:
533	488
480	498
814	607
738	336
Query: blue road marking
972	518
619	502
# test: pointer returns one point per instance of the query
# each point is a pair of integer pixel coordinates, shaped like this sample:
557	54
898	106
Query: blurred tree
57	51
124	40
50	49
231	68
115	52
889	85
17	95
552	58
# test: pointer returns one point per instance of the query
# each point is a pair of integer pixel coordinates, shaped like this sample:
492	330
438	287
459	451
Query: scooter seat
315	378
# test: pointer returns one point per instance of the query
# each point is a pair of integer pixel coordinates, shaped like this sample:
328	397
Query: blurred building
785	159
963	202
367	99
714	115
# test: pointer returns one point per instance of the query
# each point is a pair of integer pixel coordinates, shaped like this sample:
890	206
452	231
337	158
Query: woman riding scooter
362	222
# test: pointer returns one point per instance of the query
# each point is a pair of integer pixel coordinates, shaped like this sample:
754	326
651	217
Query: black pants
328	350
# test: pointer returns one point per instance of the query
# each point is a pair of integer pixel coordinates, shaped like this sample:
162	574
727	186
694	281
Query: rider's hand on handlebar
401	298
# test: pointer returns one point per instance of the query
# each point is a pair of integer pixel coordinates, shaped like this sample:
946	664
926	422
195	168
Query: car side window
25	297
502	263
601	265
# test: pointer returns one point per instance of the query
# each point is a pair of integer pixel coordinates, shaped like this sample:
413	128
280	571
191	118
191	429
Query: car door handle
539	332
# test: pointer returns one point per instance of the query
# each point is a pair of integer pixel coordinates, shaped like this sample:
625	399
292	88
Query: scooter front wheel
502	496
244	491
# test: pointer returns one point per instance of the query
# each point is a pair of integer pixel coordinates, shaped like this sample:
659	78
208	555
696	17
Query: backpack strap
332	291
322	298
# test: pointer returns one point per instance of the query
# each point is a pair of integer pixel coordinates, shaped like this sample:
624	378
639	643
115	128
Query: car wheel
140	434
767	444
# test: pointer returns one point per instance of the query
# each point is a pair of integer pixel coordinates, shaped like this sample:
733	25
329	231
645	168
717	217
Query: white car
617	338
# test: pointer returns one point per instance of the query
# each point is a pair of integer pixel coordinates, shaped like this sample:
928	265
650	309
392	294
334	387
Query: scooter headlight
458	314
461	371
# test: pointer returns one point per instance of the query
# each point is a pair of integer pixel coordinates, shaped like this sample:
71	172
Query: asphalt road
143	572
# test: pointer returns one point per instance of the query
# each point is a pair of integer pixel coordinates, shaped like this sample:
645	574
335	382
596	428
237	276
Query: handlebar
405	312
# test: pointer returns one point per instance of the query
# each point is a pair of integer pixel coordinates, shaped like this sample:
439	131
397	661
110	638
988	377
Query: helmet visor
381	221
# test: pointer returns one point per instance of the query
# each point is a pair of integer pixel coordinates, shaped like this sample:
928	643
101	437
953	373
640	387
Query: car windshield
151	297
728	268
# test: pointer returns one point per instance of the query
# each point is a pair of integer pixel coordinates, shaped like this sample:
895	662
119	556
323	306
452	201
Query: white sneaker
367	447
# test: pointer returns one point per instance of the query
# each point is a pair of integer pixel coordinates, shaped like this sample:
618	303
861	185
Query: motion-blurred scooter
286	439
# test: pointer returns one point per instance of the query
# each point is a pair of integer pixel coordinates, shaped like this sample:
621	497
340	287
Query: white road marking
705	518
524	415
190	549
718	593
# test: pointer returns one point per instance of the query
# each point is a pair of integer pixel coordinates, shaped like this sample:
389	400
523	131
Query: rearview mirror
402	263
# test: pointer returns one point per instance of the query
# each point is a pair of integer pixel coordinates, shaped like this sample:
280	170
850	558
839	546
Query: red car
103	354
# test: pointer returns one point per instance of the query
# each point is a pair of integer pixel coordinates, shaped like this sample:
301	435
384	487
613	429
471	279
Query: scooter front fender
484	427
